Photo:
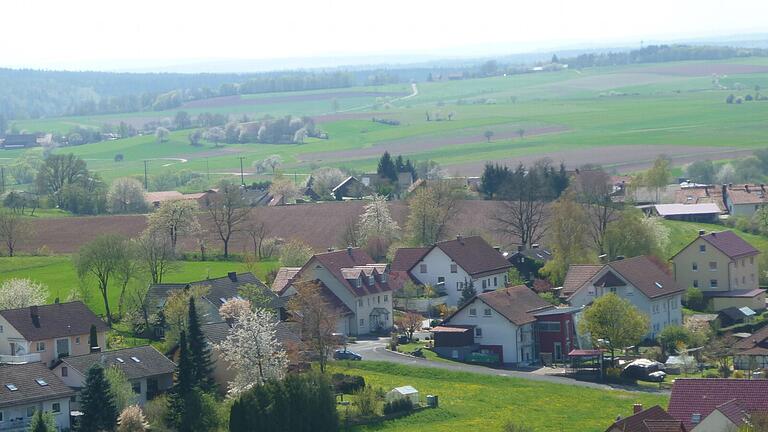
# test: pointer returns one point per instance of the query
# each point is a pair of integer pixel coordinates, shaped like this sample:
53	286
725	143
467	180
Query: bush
711	374
366	401
739	374
694	299
613	374
348	384
398	405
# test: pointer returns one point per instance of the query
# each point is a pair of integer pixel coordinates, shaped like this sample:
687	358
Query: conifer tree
199	352
183	386
387	167
93	338
97	404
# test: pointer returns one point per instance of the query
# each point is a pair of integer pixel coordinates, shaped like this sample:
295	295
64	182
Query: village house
48	333
724	267
353	285
17	141
502	323
149	372
638	280
452	265
350	188
653	419
220	290
744	199
528	261
26	388
717	404
751	352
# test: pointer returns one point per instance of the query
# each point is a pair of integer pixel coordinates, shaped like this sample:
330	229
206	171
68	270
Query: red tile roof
704	395
474	255
283	278
664	426
757	344
333	302
730	244
406	258
577	276
517	304
634	423
647	276
747	194
735	411
54	321
336	261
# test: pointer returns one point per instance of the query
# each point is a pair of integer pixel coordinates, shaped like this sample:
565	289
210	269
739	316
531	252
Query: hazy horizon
97	35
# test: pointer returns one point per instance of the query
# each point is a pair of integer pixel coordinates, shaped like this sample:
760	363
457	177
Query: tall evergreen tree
97	403
183	386
467	293
199	352
387	167
93	338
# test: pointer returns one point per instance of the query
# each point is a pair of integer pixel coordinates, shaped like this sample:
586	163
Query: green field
59	275
593	115
485	403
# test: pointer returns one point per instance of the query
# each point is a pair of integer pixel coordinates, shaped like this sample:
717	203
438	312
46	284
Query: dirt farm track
320	225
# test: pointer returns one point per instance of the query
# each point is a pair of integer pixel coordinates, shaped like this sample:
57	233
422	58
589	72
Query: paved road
376	350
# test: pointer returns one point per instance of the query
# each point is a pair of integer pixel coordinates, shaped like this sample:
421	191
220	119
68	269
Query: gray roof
53	321
23	378
150	362
217	332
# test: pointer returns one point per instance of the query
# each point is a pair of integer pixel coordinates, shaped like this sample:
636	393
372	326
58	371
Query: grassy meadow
485	403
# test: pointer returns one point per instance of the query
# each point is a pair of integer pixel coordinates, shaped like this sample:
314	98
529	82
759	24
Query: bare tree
13	229
317	319
430	211
351	235
592	190
175	219
258	232
522	214
227	211
127	270
154	255
100	259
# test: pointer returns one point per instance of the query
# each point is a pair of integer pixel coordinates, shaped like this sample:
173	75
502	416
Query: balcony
20	359
15	425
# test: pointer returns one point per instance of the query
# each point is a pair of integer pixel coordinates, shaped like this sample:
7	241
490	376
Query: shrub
119	157
711	374
366	401
613	374
398	405
738	374
694	299
348	384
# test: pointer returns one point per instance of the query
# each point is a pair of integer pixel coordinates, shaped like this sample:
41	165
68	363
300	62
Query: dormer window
359	282
383	278
371	280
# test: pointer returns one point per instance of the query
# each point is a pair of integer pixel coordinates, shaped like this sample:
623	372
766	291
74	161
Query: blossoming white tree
252	350
21	293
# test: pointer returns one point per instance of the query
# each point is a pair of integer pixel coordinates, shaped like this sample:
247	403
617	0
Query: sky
112	35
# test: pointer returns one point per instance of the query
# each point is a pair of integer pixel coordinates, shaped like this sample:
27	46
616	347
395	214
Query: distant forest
35	94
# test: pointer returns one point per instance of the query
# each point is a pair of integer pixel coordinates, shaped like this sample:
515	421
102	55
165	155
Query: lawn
682	233
485	403
59	275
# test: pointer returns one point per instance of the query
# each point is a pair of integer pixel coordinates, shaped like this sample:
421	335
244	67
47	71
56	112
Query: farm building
16	141
703	212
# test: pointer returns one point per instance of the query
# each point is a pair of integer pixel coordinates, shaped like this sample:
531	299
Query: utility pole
146	184
242	178
207	169
2	177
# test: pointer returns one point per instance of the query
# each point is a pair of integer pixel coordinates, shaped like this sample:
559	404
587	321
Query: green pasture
59	275
485	403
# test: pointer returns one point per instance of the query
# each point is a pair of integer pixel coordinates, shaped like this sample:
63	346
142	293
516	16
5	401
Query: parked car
645	370
344	354
402	339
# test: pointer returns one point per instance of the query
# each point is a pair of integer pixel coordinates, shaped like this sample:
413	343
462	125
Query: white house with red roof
353	284
717	404
451	265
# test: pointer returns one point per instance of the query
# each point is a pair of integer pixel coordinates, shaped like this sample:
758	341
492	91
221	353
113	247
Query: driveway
375	349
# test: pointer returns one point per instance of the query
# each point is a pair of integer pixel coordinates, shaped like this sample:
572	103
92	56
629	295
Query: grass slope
682	233
485	403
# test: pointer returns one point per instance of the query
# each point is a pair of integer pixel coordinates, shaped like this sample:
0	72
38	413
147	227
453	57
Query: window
702	248
359	282
751	278
549	326
386	298
441	280
362	322
383	278
743	280
1	416
487	312
613	290
64	371
655	308
472	312
56	407
77	340
1	329
695	283
751	260
41	346
422	268
30	411
359	302
454	268
743	263
371	280
478	332
695	266
674	304
713	283
495	281
483	283
136	386
712	265
378	299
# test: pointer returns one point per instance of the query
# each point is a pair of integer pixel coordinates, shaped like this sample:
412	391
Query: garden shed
404	392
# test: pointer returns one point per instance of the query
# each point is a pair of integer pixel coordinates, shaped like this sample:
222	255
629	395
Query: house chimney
349	250
459	238
701	233
330	249
520	248
746	188
637	408
232	276
762	187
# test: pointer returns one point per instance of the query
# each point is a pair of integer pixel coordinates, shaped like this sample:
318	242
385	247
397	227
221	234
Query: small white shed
407	392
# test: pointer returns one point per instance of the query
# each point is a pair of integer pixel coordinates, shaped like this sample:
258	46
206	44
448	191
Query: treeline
661	53
541	181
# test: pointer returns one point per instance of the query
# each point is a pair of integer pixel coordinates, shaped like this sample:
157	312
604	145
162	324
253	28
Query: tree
468	293
174	219
59	171
227	210
628	236
702	171
719	351
132	419
523	210
284	187
377	225
93	338
726	174
488	135
154	255
521	133
410	290
182	120
161	134
214	135
295	253
386	168
258	232
189	409
97	403
694	299
325	179
233	308
514	278
43	421
567	236
672	337
659	176
493	179
592	190
22	293
614	322
199	351
120	388
13	229
409	324
126	195
273	162
430	210
176	310
251	347
100	259
316	319
195	137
